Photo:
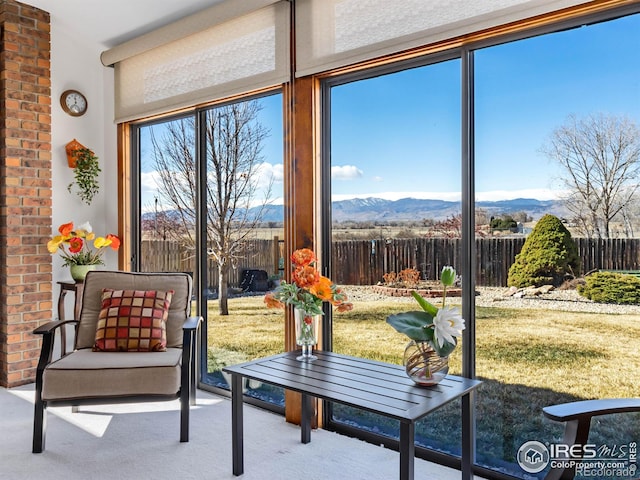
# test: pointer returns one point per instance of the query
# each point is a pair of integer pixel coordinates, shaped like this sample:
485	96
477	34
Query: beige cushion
88	374
97	280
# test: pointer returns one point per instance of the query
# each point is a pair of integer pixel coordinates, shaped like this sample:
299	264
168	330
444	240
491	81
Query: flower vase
79	272
423	364
306	333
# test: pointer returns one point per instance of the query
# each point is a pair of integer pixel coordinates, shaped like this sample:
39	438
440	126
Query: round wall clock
73	102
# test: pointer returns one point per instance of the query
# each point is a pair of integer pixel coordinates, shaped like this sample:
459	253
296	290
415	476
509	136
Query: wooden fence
364	262
161	256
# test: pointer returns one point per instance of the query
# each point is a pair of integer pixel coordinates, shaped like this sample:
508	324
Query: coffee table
377	387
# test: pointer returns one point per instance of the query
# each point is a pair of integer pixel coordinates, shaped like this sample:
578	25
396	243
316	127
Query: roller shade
243	53
337	33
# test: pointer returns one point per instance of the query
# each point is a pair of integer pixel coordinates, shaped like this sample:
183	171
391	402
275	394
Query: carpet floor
141	441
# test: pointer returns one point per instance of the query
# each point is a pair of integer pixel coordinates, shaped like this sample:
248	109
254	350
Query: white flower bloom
86	226
447	324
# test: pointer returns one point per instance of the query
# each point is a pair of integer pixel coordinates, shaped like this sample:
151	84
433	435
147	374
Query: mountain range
409	209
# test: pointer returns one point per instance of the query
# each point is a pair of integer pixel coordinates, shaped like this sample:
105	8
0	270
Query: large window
531	96
395	177
393	157
237	149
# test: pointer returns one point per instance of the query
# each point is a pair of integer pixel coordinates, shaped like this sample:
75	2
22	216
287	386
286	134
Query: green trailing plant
85	174
610	287
548	256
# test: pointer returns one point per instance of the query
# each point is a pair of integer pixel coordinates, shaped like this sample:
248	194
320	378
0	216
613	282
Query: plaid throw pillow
133	321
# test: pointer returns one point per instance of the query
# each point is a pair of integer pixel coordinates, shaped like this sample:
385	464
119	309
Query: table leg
237	440
305	421
407	450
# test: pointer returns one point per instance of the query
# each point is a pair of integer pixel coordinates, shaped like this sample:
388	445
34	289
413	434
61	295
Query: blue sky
402	132
398	135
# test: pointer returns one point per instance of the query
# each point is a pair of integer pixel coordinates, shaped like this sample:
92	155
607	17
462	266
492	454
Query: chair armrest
188	374
48	336
50	327
577	418
591	408
192	323
189	330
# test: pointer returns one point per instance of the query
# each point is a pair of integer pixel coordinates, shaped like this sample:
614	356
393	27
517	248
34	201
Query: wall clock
73	102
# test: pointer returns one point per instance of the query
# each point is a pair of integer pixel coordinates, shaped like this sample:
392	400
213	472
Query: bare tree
234	140
600	156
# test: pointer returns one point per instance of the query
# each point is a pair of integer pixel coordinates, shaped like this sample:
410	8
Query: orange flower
66	229
305	276
303	256
344	307
272	302
322	289
115	241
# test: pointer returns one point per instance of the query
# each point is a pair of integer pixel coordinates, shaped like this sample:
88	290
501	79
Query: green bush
503	223
548	256
609	287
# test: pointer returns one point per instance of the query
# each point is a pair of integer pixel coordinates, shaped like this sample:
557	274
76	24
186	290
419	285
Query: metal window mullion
468	253
136	168
200	273
325	199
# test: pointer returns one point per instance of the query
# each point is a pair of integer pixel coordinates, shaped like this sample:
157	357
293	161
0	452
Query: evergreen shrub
610	287
505	223
548	256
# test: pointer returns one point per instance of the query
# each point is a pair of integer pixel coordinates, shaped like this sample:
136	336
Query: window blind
337	33
196	64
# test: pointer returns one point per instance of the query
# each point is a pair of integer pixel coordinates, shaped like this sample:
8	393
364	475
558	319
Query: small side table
77	289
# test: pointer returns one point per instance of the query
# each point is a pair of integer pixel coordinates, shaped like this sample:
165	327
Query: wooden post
299	221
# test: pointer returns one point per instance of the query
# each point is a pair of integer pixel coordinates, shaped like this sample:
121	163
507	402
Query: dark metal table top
367	384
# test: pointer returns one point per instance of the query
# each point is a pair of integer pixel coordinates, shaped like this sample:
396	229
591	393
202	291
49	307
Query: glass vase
423	364
306	333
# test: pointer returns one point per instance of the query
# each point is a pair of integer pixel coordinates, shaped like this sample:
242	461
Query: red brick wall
25	187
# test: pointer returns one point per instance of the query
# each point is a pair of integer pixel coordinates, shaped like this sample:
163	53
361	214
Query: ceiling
109	23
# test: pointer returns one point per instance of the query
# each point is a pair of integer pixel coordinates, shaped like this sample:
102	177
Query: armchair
97	372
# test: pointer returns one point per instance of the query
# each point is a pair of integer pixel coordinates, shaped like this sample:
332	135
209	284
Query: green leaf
446	349
426	306
415	325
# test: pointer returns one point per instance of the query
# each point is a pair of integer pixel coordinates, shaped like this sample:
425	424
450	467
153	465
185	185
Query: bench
577	416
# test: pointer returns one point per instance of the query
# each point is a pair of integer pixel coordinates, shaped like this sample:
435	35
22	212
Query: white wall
76	64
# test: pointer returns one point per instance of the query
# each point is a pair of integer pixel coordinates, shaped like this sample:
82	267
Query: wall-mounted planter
85	170
71	148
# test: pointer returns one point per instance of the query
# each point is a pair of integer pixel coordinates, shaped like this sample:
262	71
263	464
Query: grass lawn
527	359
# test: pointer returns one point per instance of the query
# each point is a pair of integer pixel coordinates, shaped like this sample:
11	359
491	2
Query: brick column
25	187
